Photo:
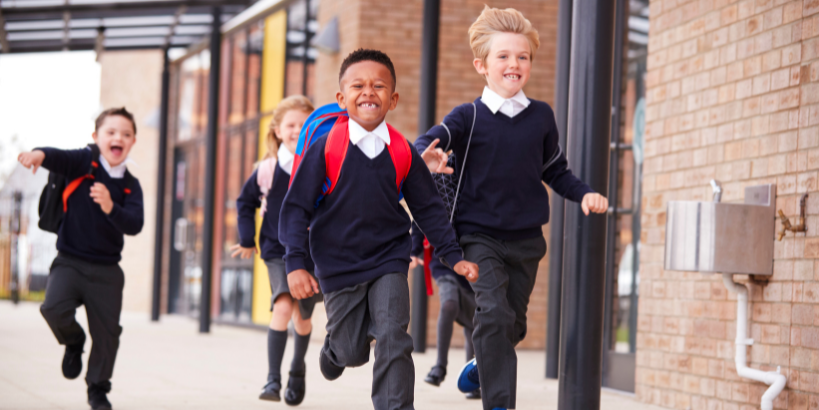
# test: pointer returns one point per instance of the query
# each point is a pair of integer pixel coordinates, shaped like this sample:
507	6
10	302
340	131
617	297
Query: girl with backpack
265	190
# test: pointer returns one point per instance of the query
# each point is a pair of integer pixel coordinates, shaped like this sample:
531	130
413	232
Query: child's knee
350	355
283	306
449	309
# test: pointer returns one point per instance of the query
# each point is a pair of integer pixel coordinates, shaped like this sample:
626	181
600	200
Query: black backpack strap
95	158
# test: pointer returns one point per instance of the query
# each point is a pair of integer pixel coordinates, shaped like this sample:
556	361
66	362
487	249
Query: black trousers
375	310
73	282
508	270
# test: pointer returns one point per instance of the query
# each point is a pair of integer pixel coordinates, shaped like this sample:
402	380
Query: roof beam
103	7
176	17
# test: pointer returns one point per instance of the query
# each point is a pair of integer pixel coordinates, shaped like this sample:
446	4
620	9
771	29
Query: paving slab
168	365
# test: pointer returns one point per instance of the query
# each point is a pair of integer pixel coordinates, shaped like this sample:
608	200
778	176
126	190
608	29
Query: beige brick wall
133	79
395	28
732	93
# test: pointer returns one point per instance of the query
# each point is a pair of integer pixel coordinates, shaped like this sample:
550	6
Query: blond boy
512	146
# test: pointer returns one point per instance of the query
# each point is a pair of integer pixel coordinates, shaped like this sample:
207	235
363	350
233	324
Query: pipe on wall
774	379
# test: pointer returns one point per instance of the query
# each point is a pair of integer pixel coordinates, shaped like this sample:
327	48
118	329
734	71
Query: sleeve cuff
581	193
248	244
451	259
115	211
293	263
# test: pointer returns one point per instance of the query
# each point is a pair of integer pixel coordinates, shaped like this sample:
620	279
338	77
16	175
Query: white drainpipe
774	379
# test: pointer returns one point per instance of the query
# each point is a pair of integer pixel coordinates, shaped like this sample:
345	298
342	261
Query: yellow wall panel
273	64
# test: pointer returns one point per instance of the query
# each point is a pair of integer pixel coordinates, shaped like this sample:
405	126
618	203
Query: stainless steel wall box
726	238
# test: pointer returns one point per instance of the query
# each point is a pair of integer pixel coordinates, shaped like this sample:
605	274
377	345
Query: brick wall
732	93
395	28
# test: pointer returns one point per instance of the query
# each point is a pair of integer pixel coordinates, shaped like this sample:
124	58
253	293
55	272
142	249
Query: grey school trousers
507	278
378	309
73	282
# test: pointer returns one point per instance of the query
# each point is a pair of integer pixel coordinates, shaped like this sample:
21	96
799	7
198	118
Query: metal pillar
210	169
581	338
16	228
305	59
426	119
556	231
156	294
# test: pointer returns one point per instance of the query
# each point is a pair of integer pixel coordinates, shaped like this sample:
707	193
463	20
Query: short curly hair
364	54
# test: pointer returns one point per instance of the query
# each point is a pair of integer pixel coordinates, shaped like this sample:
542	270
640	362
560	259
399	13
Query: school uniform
86	270
502	207
359	239
271	250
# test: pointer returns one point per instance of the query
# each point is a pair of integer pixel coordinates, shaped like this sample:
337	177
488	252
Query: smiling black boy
359	235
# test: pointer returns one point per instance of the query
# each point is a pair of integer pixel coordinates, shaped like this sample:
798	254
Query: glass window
300	64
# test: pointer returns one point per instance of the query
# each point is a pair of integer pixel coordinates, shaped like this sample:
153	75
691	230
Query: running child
106	205
503	204
359	232
457	305
266	189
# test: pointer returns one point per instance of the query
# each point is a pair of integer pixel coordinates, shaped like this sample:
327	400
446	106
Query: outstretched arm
440	139
70	163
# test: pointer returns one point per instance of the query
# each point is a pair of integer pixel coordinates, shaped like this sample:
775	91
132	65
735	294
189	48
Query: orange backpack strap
401	155
335	150
73	185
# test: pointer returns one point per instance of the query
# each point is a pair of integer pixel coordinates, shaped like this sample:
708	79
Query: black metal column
426	119
590	88
160	187
210	169
305	59
556	231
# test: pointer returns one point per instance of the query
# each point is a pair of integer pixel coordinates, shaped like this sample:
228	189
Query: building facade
732	95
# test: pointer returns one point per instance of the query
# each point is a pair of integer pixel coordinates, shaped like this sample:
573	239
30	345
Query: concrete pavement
168	365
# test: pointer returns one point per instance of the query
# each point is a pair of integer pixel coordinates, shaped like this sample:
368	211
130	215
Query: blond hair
493	21
294	102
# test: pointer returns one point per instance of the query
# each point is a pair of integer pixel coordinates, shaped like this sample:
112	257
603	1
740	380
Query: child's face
367	93
115	137
508	64
290	127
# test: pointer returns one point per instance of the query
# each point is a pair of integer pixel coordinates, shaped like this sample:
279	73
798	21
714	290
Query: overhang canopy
55	25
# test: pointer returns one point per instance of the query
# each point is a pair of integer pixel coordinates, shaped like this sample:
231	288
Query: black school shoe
72	360
474	395
328	369
270	391
296	387
436	376
97	398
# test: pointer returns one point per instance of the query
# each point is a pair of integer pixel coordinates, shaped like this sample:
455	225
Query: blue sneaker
468	379
498	408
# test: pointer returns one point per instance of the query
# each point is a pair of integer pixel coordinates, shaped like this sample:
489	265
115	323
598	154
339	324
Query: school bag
330	119
54	198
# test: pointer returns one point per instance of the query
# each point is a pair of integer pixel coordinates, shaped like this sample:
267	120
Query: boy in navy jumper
265	189
503	203
90	239
359	236
457	305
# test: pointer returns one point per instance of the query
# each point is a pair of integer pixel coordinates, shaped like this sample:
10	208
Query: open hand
31	160
468	270
102	196
302	285
436	158
241	251
594	202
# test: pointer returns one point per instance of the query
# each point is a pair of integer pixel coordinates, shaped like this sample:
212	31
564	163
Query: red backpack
338	140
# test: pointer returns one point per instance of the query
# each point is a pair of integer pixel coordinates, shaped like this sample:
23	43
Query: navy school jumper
360	231
502	192
86	232
250	200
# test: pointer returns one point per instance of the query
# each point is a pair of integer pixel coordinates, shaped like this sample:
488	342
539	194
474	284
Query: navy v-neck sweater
502	192
360	231
250	200
86	232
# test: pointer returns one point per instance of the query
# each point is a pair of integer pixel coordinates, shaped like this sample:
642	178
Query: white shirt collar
357	132
116	172
494	101
285	158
